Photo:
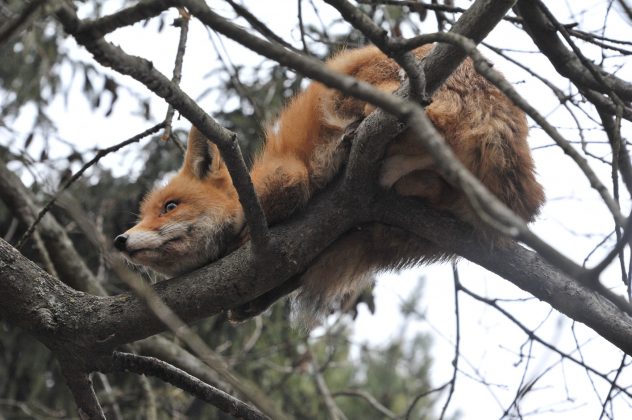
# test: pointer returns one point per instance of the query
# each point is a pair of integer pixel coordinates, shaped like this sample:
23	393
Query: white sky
573	220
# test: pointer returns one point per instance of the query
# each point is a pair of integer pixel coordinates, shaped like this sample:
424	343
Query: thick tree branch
67	262
106	323
14	193
522	267
544	35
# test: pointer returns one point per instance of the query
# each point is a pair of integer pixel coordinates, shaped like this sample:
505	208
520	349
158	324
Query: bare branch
68	264
199	347
536	338
179	378
623	241
100	154
323	388
368	398
183	22
609	313
452	169
80	385
457	340
142	70
168	351
613	386
150	410
110	399
301	27
259	26
430	6
98	28
380	38
544	34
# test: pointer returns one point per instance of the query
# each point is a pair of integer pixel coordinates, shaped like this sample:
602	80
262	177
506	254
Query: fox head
189	222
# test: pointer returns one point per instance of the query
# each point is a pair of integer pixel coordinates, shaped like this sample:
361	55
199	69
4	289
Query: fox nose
120	242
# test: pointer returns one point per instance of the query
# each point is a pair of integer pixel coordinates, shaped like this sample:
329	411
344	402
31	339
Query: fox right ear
202	157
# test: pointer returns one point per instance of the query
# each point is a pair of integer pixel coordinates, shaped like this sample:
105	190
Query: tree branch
89	35
380	38
151	366
603	311
80	385
544	35
67	262
100	154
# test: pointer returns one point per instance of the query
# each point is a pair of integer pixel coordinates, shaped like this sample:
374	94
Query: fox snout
177	247
120	242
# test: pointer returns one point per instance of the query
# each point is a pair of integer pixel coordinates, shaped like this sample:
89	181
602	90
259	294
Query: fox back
196	218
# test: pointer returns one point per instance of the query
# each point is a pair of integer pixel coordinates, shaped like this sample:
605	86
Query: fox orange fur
195	218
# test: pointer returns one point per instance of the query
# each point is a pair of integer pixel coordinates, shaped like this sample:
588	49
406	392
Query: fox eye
169	206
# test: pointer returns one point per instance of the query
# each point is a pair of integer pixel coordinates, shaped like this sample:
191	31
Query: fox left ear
202	157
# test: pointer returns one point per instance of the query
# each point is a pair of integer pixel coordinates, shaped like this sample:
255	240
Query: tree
86	332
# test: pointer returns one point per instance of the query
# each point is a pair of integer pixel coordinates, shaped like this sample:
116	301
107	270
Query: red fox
197	218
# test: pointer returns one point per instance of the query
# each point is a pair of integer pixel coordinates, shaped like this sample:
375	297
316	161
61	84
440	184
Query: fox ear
202	157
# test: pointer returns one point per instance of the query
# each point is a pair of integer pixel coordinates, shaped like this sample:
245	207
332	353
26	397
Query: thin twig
90	33
457	342
150	396
535	337
100	154
183	22
151	366
380	38
368	398
418	398
594	39
173	322
109	396
430	6
622	241
332	408
40	246
612	387
261	27
301	27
